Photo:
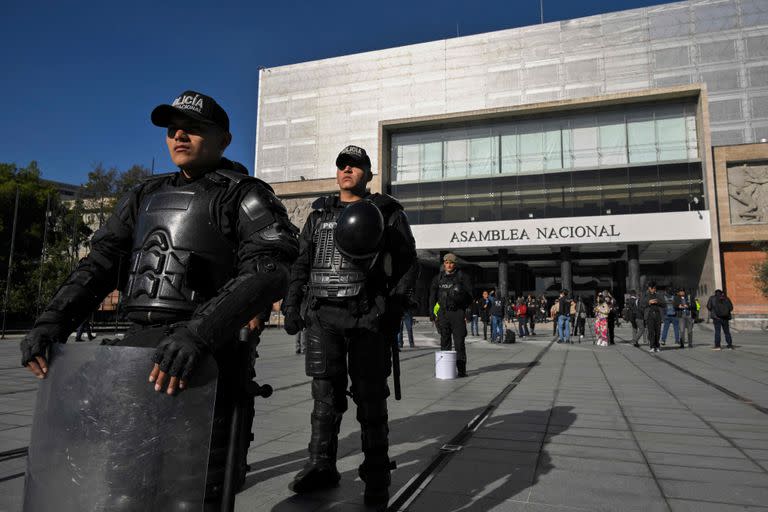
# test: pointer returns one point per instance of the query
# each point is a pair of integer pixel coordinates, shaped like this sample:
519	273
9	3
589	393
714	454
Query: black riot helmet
359	230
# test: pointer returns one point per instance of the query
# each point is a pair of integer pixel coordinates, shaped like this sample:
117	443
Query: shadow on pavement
499	368
503	458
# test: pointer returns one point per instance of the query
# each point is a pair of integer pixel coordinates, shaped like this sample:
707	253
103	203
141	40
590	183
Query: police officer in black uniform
196	253
353	277
451	289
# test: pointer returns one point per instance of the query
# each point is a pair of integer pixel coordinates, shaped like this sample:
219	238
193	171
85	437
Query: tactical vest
444	284
180	258
332	274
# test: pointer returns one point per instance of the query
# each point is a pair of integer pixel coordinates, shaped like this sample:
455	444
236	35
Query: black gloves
293	321
179	352
36	343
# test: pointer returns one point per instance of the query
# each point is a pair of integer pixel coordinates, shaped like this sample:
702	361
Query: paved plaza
537	426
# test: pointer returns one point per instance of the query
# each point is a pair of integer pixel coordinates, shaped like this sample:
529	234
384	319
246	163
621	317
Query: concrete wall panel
722	43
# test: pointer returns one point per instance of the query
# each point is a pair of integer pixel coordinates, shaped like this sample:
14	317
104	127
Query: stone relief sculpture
298	209
748	192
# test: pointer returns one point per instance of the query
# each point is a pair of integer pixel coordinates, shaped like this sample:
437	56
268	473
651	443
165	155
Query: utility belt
155	317
357	306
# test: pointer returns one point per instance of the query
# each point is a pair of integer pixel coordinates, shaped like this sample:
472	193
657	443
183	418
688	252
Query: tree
130	178
65	231
761	270
100	191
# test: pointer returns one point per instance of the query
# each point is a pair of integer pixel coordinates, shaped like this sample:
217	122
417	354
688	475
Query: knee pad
326	356
329	395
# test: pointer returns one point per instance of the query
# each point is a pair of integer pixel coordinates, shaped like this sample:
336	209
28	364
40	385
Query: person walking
474	309
653	306
531	308
683	309
563	317
602	310
521	312
611	319
554	310
406	323
581	318
496	312
635	317
670	318
485	307
84	327
720	309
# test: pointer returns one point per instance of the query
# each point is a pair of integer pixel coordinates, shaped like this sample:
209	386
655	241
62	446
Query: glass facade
632	135
636	159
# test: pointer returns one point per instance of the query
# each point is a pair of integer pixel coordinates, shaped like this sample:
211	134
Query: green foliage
130	178
65	230
761	270
37	274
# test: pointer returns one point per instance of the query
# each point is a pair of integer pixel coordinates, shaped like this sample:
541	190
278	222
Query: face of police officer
351	179
449	267
195	147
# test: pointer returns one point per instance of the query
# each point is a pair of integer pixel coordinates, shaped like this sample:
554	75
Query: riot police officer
196	254
353	277
451	289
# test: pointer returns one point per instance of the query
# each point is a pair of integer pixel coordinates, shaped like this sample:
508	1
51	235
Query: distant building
579	154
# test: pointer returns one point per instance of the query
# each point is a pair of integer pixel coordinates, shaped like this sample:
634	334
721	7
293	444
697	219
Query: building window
632	135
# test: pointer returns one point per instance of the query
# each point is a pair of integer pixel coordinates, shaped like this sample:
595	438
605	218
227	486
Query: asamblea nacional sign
647	227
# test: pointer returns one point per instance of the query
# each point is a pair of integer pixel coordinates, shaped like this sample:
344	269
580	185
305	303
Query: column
501	289
633	267
566	269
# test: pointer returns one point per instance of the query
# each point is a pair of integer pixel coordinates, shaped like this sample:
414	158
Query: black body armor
452	292
179	257
332	274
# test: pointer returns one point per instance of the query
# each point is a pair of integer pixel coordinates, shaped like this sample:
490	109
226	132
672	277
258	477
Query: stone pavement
536	426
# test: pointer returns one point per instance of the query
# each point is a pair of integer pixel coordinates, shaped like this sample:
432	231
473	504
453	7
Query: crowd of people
574	318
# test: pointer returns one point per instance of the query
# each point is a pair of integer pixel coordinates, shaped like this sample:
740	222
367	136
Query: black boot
320	471
375	469
461	368
375	472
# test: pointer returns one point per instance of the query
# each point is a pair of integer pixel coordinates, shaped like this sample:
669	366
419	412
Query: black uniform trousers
337	345
653	329
149	337
451	324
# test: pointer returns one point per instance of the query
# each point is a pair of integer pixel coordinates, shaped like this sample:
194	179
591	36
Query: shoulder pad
385	202
154	177
322	203
238	177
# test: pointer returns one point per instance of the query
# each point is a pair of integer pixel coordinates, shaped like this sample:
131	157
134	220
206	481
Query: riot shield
104	439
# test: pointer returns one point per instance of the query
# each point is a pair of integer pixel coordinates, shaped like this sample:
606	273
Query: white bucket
445	364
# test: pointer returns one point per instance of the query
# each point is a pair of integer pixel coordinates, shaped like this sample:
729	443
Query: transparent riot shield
104	439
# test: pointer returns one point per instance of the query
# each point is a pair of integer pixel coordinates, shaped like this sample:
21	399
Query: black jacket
652	311
438	291
395	286
219	319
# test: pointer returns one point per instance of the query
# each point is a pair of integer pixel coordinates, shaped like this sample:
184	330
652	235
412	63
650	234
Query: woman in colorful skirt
602	310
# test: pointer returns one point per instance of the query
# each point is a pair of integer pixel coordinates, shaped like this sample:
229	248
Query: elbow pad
218	320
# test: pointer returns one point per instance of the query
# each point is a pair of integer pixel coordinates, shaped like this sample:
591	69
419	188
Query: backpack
627	314
670	308
722	309
522	310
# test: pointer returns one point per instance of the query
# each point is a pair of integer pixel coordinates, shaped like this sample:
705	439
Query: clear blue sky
79	79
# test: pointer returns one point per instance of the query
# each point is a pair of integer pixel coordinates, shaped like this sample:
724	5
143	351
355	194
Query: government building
596	153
